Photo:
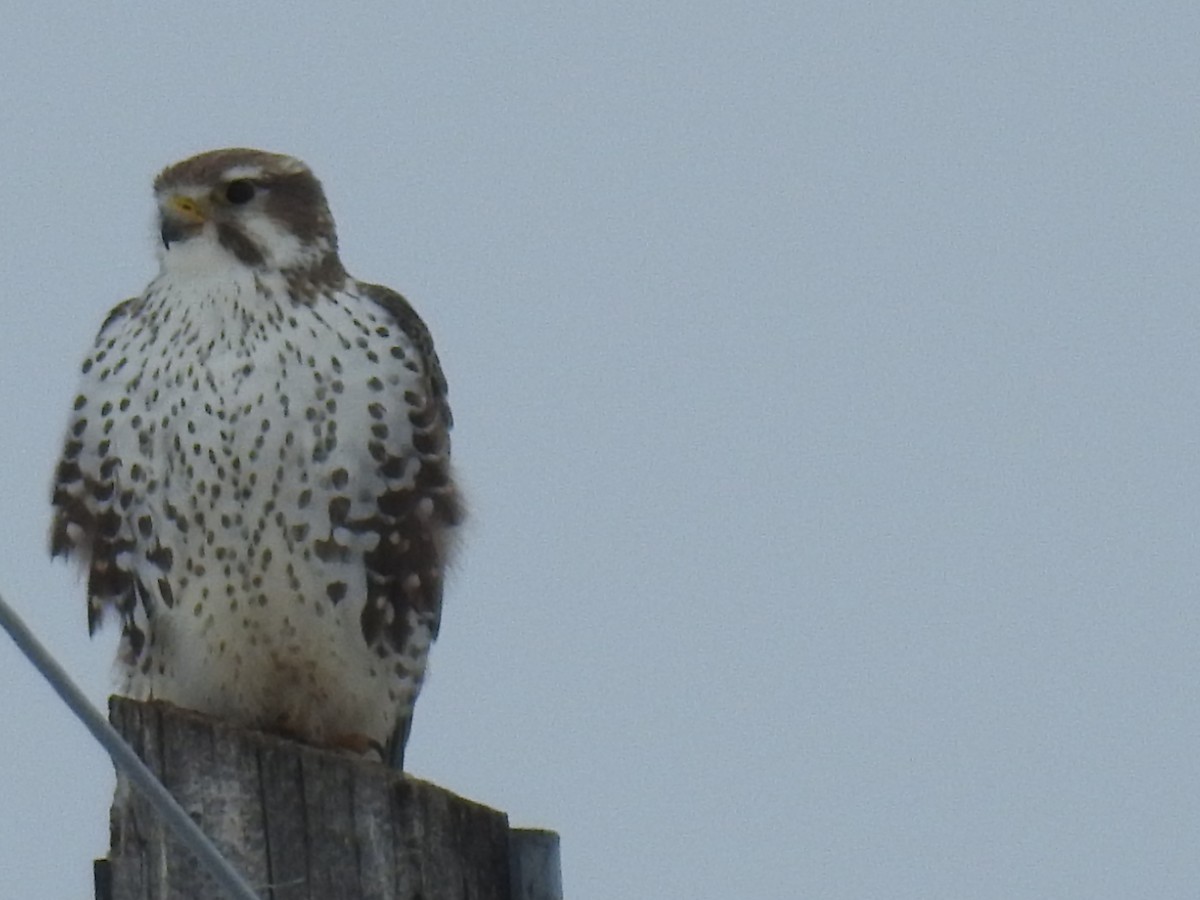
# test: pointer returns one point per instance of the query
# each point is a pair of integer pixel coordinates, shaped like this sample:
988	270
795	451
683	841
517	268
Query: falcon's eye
240	191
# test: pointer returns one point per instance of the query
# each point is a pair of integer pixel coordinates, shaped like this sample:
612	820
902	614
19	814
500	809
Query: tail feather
397	743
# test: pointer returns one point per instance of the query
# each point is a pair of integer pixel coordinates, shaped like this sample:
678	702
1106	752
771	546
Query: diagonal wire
125	759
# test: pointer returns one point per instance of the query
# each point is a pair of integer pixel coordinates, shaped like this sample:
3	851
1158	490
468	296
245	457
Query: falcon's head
265	210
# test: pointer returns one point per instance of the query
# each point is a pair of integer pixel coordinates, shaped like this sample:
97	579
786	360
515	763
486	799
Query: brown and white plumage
256	474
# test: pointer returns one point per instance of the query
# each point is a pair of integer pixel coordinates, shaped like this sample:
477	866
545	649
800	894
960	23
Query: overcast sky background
825	379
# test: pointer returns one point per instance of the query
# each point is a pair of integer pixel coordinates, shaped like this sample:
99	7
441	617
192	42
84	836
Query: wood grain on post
534	867
306	824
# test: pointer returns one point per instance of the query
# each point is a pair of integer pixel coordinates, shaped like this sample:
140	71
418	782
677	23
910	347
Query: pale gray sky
825	380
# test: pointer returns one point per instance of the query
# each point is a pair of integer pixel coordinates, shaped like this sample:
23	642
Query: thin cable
143	779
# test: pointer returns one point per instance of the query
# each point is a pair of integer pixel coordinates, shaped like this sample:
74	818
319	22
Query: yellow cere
187	207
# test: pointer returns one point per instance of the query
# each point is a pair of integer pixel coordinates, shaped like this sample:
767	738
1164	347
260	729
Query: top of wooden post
302	823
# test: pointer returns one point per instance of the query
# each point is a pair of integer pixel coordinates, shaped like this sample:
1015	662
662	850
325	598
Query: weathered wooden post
307	824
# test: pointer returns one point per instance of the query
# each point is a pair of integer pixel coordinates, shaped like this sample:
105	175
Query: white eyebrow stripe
235	172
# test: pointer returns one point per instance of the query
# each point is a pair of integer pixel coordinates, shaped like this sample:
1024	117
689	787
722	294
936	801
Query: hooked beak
179	218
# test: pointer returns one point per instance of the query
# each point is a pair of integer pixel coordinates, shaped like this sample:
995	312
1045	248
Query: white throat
200	257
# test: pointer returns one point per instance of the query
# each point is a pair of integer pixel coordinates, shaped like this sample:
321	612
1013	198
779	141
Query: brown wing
418	511
89	505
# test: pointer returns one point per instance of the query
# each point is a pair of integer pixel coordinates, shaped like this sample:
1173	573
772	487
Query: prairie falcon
256	474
